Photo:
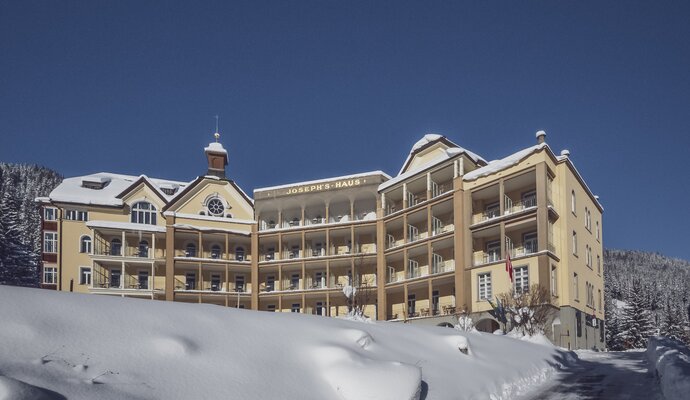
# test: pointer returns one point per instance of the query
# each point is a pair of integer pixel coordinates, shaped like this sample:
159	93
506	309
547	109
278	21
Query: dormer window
144	213
169	189
95	182
215	207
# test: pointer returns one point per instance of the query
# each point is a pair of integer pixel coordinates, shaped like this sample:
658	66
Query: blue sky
330	88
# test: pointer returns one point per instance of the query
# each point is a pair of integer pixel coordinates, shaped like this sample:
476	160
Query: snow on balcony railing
486	258
444	266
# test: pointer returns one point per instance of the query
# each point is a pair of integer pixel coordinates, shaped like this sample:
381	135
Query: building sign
318	187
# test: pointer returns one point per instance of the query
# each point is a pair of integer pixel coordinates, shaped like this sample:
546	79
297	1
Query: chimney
217	158
565	153
541	137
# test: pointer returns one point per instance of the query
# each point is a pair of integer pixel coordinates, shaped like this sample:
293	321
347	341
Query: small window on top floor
573	205
50	214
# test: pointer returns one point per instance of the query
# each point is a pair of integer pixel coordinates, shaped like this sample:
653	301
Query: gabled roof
428	141
498	165
196	182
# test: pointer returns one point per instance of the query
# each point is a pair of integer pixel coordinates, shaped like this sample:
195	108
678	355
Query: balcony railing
512	208
129	251
443	266
485	216
486	258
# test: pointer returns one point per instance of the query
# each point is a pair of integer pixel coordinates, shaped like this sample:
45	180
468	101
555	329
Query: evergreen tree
636	324
675	324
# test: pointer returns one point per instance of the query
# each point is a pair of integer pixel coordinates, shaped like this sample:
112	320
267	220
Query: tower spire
216	134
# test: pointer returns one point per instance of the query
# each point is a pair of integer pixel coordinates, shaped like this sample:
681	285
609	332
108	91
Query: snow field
670	361
63	345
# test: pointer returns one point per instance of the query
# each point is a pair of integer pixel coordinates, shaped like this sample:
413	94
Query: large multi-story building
418	247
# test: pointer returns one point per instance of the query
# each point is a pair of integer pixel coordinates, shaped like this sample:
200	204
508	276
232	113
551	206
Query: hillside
657	286
102	347
20	239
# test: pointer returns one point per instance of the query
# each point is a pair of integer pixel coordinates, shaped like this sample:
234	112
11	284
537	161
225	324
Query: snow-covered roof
499	165
215	147
433	137
72	190
127	226
447	155
335	178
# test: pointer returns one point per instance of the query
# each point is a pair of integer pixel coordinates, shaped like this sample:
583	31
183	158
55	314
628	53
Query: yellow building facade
419	247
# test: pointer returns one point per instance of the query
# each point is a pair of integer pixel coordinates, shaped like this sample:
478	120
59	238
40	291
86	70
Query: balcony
441	267
481	258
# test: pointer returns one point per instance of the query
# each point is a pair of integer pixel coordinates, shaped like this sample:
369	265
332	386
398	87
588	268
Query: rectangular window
190	281
574	243
294	282
529	241
411	303
599	305
76	215
598	230
554	281
216	284
50	214
484	286
84	275
50	242
320	309
576	286
50	275
143	279
493	250
295	308
239	283
115	278
412	269
599	264
435	296
521	278
573	205
271	307
270	283
412	233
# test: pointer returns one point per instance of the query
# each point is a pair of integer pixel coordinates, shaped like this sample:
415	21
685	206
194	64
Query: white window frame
598	264
50	214
89	244
495	245
484	289
76	215
574	243
530	237
554	280
85	275
50	275
521	279
576	286
50	242
143	215
573	203
598	232
141	273
296	308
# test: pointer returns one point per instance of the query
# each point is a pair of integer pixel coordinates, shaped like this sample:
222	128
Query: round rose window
215	207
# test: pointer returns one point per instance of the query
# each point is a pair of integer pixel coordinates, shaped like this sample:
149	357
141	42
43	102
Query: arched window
191	250
215	251
573	206
116	247
85	244
143	248
239	253
144	213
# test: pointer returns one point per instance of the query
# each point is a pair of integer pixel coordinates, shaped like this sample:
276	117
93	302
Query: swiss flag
509	267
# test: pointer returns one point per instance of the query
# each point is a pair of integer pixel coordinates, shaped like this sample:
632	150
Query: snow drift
671	362
60	345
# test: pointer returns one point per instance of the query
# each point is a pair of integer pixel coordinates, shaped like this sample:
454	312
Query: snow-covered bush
465	322
528	310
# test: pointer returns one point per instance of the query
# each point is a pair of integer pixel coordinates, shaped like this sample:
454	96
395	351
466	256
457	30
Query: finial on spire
217	134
